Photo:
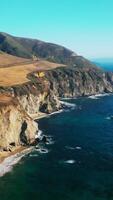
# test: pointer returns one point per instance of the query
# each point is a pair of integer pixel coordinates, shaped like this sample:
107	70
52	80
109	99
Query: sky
84	26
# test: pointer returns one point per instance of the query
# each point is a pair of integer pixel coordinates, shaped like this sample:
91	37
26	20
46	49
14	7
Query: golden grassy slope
18	68
7	59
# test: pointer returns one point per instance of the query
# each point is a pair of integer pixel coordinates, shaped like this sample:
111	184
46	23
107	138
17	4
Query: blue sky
85	26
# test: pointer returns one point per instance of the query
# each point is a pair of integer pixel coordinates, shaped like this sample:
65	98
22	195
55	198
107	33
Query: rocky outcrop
42	94
73	82
16	127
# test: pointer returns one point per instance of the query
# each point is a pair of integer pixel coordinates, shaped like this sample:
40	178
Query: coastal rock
12	118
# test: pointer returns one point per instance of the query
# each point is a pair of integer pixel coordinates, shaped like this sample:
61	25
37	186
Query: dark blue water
78	166
107	66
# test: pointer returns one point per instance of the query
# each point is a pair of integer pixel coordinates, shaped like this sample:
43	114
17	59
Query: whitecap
56	112
78	148
67	104
42	150
97	96
70	161
50	142
103	95
39	135
70	148
108	118
93	97
33	155
8	163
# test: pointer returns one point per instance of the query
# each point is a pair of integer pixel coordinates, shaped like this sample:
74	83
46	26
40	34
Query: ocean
78	163
107	66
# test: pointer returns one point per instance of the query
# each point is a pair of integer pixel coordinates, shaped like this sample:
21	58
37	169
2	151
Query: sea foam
70	161
68	105
8	163
97	96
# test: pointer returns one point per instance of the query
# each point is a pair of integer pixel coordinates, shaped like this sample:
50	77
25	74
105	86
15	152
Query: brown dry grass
7	59
17	74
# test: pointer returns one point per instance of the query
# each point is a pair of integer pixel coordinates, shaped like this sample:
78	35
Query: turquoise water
79	164
107	66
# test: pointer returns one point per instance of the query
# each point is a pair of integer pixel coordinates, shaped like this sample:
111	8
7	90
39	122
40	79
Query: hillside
34	75
27	48
9	60
14	70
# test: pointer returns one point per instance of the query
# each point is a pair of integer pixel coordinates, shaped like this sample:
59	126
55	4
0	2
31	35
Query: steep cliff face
72	82
42	94
78	77
16	127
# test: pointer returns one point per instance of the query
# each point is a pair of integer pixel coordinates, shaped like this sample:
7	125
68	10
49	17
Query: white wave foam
78	148
69	105
73	148
70	148
50	142
33	155
7	165
56	112
93	97
110	117
42	150
70	161
103	95
97	96
39	135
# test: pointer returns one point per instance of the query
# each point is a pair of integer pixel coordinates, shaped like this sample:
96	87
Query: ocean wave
73	148
8	163
33	155
110	117
97	96
93	97
50	142
39	135
68	98
68	105
70	148
69	161
103	95
56	112
42	150
78	148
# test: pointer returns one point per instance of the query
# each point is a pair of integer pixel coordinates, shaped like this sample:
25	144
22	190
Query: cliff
34	87
41	94
16	126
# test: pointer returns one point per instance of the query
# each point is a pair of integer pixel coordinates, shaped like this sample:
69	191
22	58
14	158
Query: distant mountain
27	48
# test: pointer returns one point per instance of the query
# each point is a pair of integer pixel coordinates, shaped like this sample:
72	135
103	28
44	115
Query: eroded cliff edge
41	94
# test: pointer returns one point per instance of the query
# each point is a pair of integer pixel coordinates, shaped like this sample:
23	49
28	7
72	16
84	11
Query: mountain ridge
29	48
41	87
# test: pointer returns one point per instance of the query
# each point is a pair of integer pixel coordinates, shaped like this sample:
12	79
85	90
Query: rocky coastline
21	104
